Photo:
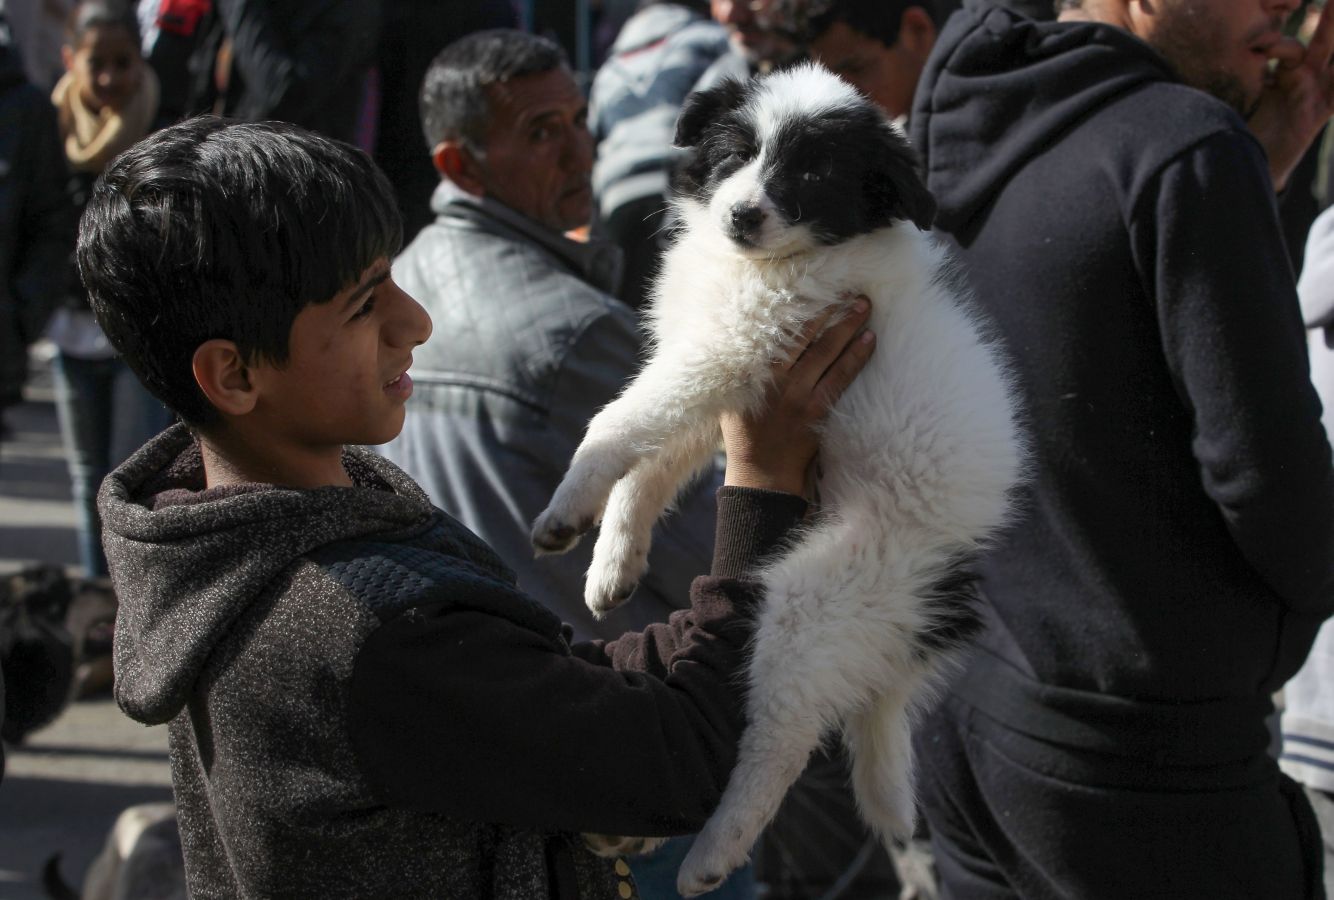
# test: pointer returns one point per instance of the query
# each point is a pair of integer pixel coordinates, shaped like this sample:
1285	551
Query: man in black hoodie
1177	554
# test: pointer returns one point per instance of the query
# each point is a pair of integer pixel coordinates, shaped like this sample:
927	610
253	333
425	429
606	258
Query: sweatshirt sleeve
1208	240
472	715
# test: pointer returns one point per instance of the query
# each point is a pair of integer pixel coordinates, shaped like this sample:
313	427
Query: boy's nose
419	326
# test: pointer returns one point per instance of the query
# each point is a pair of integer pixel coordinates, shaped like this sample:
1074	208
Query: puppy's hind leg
879	742
773	753
636	503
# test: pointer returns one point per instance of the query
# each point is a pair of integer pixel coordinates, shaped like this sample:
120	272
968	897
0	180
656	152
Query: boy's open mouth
400	386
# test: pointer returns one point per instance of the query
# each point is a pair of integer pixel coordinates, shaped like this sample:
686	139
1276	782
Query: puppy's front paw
602	597
614	573
554	533
610	845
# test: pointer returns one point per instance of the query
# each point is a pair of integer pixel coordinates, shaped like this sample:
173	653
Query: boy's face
345	380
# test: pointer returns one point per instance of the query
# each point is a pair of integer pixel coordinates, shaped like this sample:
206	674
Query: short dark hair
454	104
215	229
877	19
101	14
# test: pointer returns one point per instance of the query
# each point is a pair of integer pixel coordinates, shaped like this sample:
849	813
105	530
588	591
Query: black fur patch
951	608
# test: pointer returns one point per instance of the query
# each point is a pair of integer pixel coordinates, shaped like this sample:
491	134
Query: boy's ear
222	375
454	161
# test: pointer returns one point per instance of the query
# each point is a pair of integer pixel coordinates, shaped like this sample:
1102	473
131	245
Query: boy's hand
773	448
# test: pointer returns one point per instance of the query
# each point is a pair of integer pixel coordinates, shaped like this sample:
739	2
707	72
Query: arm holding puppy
484	717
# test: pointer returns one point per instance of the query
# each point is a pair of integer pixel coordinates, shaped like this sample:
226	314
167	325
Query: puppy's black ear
896	189
703	107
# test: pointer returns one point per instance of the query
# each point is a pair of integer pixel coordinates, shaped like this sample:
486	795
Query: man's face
345	379
538	151
1219	46
752	31
888	75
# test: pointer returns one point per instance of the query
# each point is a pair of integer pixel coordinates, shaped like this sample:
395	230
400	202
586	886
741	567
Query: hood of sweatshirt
187	562
1000	88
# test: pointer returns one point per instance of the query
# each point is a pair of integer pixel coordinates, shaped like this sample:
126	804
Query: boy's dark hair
215	229
453	98
877	19
100	14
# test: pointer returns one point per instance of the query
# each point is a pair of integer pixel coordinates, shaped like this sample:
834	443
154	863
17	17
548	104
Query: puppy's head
795	161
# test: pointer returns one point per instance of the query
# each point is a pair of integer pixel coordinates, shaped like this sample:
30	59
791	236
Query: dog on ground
797	194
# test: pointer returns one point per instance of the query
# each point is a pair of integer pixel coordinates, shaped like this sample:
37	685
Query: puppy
796	195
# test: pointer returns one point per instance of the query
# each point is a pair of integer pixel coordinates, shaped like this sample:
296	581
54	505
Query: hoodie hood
1000	88
187	562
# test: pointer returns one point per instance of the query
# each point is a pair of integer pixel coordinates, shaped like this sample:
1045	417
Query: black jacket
1119	227
36	221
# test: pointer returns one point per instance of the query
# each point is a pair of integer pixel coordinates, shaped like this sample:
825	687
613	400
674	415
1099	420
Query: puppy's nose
747	217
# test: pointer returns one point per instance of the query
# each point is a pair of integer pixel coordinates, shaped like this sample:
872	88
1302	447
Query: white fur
918	459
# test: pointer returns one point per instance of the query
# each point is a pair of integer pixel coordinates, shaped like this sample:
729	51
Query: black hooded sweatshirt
1175	555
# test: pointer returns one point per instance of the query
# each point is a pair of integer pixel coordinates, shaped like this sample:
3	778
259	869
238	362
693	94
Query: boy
361	702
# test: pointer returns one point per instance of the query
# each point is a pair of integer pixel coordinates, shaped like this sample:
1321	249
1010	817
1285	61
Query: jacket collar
597	262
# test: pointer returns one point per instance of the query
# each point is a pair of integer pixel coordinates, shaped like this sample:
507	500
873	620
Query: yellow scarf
92	139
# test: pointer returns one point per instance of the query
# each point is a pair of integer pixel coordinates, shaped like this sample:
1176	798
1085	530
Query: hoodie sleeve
1207	240
471	715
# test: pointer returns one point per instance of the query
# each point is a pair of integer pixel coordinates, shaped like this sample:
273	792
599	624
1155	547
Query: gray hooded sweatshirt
361	703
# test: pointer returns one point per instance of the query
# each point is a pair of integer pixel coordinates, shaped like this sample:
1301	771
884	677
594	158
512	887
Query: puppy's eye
742	154
812	176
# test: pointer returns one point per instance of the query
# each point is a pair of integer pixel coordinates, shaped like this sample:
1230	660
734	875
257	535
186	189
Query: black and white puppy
798	194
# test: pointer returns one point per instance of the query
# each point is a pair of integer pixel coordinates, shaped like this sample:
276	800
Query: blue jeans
105	415
655	874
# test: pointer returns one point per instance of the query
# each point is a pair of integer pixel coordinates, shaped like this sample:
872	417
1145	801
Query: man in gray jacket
528	342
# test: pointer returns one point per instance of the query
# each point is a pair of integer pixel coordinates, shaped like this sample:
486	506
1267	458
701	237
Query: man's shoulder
477	265
1163	118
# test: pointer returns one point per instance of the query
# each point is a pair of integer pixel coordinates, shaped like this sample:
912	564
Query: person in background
878	46
1308	711
105	102
36	220
763	35
1108	184
659	56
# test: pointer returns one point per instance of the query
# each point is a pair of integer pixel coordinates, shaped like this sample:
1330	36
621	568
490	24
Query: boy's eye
365	309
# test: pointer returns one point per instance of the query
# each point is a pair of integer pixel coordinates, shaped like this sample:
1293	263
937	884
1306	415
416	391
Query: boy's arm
752	524
471	715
